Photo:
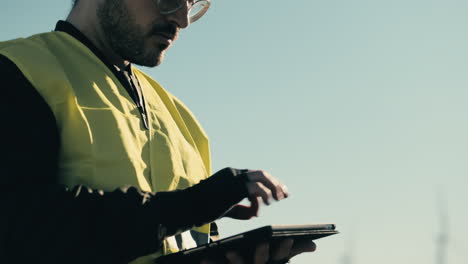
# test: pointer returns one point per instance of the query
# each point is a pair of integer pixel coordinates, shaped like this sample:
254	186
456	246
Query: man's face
136	31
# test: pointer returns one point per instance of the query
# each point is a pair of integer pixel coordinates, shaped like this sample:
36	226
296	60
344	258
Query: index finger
278	189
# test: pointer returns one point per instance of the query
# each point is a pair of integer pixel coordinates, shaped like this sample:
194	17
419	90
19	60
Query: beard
127	39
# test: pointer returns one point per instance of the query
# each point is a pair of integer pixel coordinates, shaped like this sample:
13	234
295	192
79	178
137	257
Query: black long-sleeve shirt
42	221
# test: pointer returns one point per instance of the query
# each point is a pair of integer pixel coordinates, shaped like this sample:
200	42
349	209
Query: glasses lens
198	9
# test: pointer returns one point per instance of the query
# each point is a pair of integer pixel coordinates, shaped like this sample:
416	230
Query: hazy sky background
359	107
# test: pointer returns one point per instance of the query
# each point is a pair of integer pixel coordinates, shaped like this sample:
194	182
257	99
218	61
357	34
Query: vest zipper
134	89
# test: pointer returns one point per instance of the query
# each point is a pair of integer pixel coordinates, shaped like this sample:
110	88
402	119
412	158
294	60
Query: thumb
242	212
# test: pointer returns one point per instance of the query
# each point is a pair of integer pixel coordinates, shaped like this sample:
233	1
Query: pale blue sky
358	106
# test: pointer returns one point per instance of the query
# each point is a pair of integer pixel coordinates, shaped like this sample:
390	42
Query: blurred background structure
360	107
443	237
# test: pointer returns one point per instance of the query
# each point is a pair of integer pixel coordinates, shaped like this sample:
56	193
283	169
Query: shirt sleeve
45	222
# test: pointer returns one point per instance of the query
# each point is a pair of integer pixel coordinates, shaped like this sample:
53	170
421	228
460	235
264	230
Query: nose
180	17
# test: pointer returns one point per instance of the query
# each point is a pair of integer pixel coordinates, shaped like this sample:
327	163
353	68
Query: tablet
245	243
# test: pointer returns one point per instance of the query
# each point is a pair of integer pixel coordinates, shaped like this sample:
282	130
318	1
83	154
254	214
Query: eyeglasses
196	9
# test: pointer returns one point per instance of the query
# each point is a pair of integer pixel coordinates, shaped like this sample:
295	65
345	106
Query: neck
87	23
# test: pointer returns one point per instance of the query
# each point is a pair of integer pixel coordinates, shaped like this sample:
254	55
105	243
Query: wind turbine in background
442	238
347	257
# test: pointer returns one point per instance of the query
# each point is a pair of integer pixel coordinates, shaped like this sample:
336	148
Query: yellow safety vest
104	144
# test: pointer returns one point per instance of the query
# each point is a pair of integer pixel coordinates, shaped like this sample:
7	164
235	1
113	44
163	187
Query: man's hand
281	253
260	186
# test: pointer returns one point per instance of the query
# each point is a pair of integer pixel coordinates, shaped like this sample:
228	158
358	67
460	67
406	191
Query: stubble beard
125	37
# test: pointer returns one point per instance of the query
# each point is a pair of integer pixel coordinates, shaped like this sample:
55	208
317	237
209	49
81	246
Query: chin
158	60
150	60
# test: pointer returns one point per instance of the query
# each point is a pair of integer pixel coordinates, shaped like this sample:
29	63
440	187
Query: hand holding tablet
245	245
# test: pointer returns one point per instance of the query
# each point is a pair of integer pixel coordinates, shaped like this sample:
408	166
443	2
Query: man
103	165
